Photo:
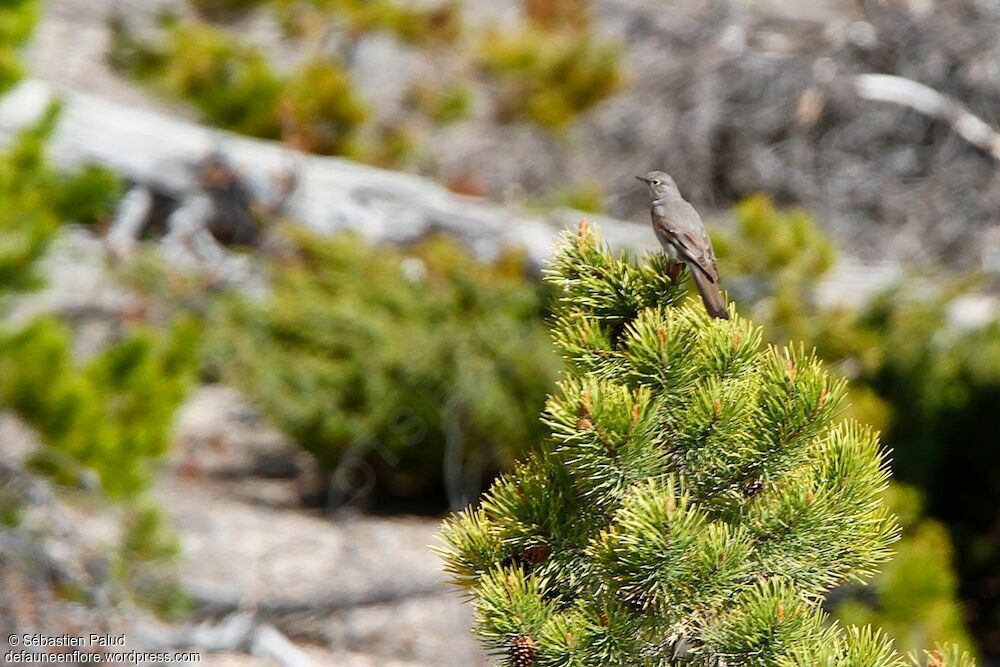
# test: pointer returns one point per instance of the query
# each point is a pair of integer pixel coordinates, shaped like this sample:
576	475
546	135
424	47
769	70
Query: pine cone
536	553
523	652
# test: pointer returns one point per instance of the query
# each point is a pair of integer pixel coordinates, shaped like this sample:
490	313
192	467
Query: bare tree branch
926	100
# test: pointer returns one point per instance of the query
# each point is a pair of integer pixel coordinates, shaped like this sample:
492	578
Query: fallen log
164	155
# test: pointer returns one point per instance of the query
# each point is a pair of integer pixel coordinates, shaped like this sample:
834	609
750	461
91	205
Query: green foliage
27	222
319	110
35	200
853	647
943	655
392	145
424	25
144	535
932	387
365	352
588	198
88	195
548	77
12	499
909	365
772	260
107	420
232	84
223	9
915	597
944	386
696	500
935	376
441	106
17	21
548	71
148	547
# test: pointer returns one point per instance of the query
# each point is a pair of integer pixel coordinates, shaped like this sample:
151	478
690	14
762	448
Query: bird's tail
715	304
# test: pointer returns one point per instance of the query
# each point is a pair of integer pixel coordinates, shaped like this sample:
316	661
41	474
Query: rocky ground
350	589
346	590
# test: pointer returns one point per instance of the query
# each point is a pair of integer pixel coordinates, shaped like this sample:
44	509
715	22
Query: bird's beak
641	178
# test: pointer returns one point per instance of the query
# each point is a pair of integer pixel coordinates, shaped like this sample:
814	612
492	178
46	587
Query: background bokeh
270	280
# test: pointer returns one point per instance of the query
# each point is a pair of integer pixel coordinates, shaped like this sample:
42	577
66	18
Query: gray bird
679	229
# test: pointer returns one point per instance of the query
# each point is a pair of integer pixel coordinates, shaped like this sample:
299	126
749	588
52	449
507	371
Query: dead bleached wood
926	100
162	154
267	642
238	632
133	211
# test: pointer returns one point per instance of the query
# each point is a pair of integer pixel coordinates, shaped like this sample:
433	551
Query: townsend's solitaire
679	229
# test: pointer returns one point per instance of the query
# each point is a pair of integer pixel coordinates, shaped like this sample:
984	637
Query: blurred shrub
148	549
319	111
548	77
27	221
224	9
930	376
587	197
393	145
931	387
107	420
548	71
441	105
87	196
773	260
413	23
915	597
17	20
397	360
232	84
558	14
425	26
35	199
944	388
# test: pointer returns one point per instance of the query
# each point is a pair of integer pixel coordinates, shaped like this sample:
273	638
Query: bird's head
659	184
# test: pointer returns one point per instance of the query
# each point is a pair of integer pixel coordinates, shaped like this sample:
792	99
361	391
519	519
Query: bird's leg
674	271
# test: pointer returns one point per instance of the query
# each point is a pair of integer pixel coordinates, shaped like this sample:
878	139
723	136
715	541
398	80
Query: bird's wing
682	226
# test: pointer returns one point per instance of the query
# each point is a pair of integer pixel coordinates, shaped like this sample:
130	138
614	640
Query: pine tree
696	499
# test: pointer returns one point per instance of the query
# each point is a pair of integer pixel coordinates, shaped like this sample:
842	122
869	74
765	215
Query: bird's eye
656	181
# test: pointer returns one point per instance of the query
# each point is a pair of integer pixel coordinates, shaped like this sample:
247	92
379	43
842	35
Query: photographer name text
30	640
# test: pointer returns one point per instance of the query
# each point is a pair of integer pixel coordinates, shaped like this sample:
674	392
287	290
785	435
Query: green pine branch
696	498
